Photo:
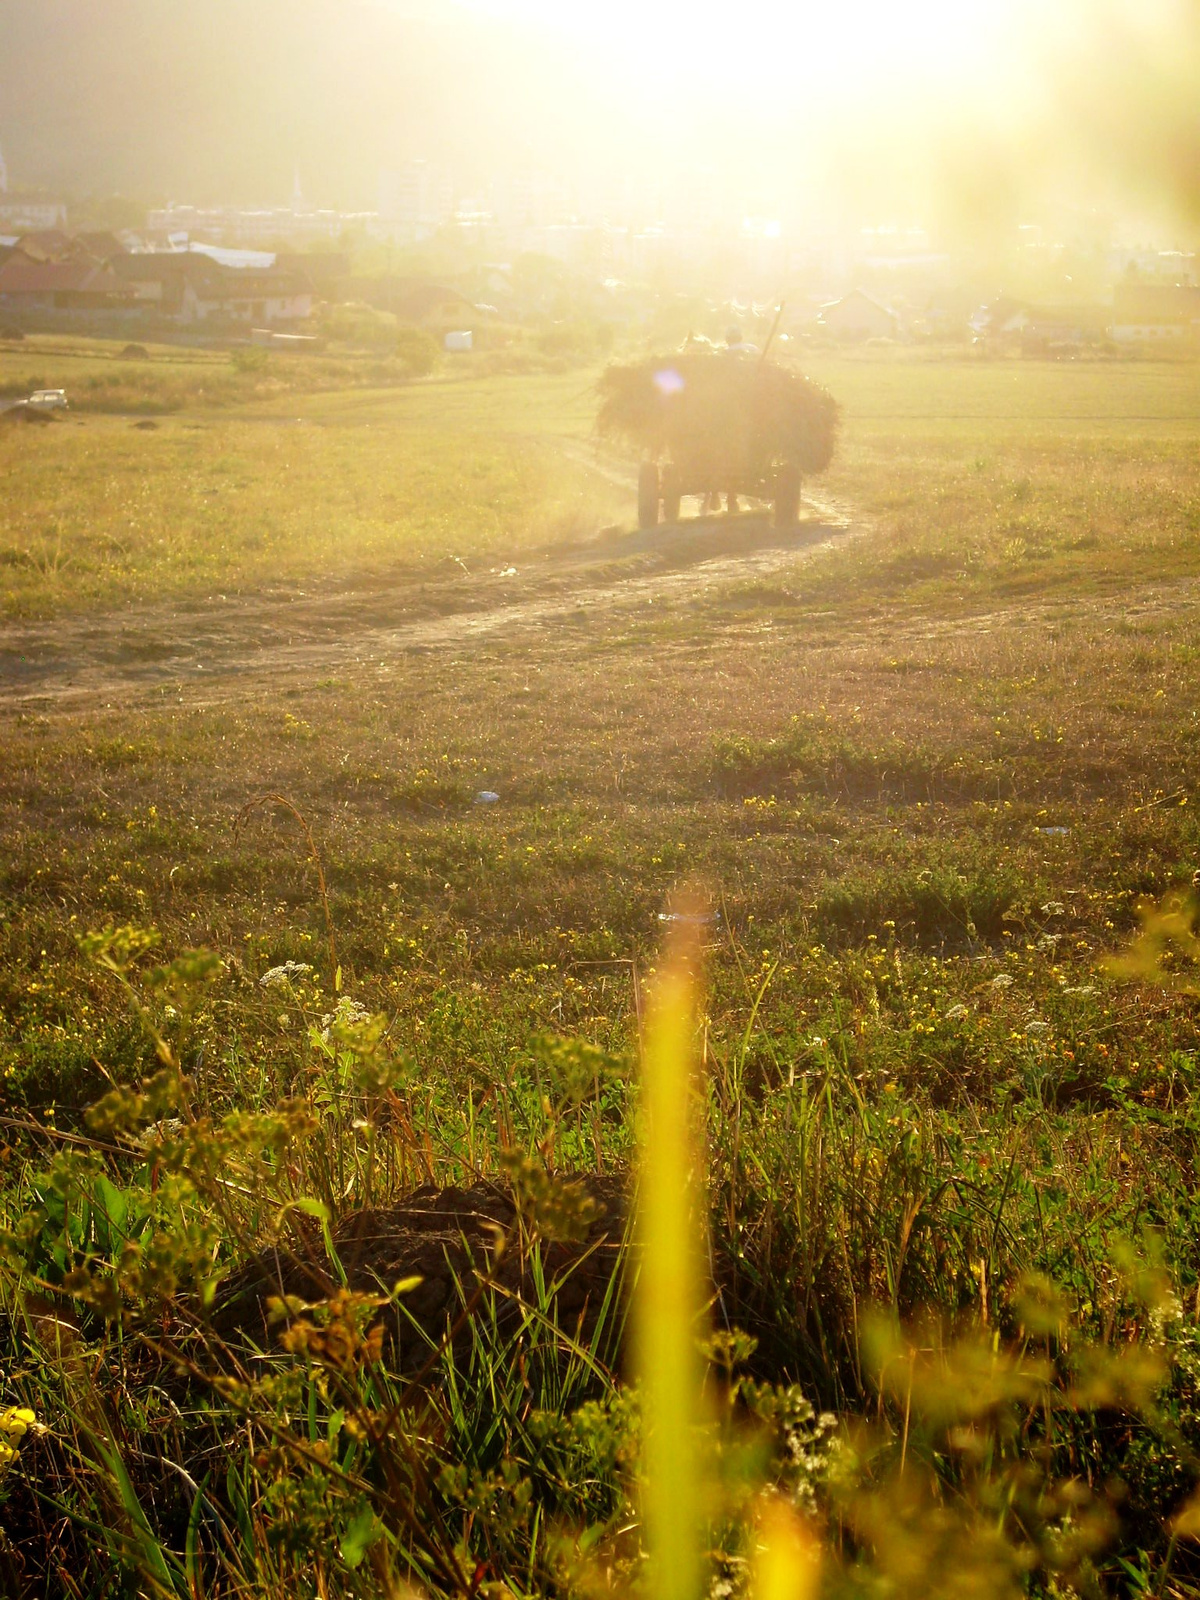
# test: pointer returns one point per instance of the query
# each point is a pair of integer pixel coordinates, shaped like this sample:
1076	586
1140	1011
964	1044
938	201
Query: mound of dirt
448	1238
24	412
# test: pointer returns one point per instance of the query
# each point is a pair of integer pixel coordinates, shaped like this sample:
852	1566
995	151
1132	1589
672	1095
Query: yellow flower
16	1421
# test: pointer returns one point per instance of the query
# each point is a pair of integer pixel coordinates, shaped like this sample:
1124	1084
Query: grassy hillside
934	775
295	486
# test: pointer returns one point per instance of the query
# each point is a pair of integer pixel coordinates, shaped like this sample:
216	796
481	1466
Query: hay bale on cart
712	422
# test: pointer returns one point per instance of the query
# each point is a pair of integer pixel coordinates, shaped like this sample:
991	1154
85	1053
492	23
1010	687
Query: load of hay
719	416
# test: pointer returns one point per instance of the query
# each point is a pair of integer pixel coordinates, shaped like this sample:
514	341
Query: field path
77	662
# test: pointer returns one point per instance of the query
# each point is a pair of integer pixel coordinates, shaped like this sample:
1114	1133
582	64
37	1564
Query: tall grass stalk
669	1307
787	1563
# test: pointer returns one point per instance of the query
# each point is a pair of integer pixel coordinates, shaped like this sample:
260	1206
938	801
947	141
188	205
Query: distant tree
417	349
250	358
109	213
544	284
359	325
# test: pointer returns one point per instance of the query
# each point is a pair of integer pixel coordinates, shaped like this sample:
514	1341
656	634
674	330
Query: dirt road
216	645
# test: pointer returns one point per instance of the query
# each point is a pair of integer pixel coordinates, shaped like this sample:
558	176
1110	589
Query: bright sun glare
824	49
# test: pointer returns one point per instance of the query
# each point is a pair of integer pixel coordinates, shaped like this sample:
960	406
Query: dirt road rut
219	643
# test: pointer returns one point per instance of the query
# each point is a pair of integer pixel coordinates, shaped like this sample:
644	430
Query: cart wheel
787	496
648	495
672	493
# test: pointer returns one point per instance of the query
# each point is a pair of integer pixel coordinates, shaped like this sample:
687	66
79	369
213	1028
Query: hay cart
665	486
715	423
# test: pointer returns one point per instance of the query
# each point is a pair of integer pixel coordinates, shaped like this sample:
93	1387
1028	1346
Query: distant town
466	266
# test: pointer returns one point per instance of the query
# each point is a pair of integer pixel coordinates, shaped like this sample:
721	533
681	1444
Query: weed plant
1007	1361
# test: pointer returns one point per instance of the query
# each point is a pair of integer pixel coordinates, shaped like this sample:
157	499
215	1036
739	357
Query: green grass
159	379
921	1085
1015	478
102	513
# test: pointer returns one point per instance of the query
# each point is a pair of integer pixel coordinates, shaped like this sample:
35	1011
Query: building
25	215
415	200
250	227
1144	265
48	244
28	216
1057	330
81	285
1155	313
856	316
523	200
944	315
327	270
1002	321
190	287
51	272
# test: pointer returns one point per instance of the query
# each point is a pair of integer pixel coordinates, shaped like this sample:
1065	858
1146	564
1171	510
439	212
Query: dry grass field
933	760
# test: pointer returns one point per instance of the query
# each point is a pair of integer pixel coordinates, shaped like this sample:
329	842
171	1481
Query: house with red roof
81	284
189	287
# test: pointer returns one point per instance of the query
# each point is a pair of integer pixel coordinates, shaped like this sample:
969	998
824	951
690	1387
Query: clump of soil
24	412
449	1239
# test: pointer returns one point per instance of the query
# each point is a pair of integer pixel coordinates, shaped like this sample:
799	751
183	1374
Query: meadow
934	774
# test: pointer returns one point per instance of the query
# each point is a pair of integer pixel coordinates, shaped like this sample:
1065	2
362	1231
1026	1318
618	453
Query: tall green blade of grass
669	1301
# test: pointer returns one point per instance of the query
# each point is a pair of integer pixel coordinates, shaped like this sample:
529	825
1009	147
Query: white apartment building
415	200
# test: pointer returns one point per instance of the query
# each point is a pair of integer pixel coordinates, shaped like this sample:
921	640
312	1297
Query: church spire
297	192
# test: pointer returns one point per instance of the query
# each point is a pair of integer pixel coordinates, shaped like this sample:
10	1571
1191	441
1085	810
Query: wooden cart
661	489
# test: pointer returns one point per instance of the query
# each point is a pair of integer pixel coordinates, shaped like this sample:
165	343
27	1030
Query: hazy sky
971	112
743	46
982	110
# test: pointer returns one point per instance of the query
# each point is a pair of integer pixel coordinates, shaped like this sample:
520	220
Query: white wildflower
1002	980
347	1014
1168	1310
1037	1027
1054	908
277	977
957	1011
1081	989
166	1128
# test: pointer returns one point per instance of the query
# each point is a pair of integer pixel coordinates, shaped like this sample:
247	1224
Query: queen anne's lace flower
277	977
347	1014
